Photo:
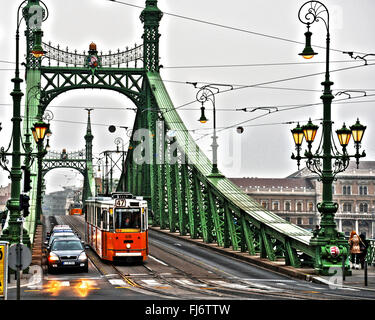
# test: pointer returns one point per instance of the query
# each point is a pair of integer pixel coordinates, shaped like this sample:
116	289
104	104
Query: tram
75	209
116	227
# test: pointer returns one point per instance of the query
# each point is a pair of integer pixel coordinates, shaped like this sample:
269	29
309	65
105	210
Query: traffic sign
3	269
26	257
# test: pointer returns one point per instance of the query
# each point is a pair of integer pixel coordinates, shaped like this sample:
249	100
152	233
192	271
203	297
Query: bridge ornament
335	251
80	59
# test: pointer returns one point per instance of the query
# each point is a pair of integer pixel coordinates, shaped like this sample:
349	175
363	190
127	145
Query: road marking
157	260
260	286
345	288
264	280
117	282
154	283
229	285
189	283
64	284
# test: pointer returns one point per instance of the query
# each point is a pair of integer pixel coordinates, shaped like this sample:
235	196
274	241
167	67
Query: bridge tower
89	180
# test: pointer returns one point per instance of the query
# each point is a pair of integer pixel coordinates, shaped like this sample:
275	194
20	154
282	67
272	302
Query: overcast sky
193	51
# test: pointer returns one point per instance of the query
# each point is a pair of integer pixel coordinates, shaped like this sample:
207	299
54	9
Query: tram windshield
128	218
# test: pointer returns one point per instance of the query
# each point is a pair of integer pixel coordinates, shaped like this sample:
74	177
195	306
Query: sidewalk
35	275
356	281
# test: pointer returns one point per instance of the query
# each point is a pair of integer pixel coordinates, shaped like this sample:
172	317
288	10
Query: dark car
67	253
59	235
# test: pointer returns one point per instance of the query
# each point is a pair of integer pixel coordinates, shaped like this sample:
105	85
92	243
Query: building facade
295	197
4	196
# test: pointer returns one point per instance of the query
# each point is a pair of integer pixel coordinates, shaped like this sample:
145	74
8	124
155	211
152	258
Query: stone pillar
340	224
356	225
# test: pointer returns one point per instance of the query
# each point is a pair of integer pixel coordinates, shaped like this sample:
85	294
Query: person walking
355	250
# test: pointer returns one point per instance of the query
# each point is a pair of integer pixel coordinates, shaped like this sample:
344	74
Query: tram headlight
82	257
128	245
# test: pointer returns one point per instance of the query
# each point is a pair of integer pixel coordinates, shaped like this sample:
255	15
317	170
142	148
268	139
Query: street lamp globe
309	131
39	131
203	118
358	130
308	51
344	135
298	135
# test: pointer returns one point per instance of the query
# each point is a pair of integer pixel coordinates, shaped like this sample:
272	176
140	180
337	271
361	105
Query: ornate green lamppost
327	161
203	95
40	131
13	232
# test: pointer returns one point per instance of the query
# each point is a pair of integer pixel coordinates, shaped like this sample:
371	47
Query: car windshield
61	235
66	245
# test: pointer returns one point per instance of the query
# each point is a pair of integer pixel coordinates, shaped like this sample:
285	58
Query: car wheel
85	269
50	270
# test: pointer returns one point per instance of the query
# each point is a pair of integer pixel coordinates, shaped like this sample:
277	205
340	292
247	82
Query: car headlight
53	257
82	256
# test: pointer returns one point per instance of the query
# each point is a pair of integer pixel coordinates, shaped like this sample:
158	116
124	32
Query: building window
311	221
346	190
363	190
363	207
333	189
347	207
275	206
299	221
287	219
287	206
299	206
311	206
264	204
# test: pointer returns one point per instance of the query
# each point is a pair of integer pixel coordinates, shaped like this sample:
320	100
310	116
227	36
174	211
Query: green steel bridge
171	172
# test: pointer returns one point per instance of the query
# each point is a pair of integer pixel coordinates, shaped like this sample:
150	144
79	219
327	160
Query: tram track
211	290
208	290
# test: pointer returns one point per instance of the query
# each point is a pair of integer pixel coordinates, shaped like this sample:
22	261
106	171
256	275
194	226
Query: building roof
272	182
366	168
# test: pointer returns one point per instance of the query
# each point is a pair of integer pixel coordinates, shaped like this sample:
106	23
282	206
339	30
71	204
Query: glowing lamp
344	135
309	131
203	118
298	135
358	130
308	52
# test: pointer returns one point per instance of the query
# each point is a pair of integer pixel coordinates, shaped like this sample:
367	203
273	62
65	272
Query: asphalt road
175	270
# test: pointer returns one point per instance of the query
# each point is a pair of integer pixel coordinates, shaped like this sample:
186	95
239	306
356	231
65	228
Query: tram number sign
120	203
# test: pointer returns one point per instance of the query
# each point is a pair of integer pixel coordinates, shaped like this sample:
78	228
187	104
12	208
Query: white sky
261	151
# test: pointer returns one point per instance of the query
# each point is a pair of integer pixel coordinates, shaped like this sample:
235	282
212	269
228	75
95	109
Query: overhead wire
227	27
